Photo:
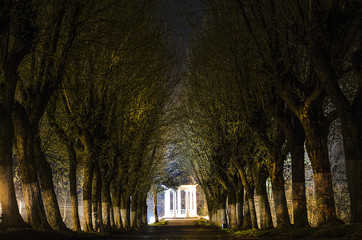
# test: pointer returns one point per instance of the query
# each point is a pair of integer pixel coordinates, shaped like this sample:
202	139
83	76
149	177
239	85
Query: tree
17	32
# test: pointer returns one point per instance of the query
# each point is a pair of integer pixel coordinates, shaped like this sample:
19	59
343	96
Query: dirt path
177	230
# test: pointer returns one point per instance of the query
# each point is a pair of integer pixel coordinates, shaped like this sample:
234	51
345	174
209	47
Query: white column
187	203
195	202
179	202
192	200
174	204
167	202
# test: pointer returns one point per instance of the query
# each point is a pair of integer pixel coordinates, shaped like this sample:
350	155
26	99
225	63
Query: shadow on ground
191	230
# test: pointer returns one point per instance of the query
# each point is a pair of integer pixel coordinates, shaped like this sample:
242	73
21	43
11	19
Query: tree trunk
125	212
239	205
10	210
134	209
87	193
260	176
47	186
350	115
221	209
116	203
140	205
352	143
111	215
155	212
97	199
249	196
106	203
13	48
144	212
210	210
73	186
232	209
36	216
317	149
246	216
280	201
295	136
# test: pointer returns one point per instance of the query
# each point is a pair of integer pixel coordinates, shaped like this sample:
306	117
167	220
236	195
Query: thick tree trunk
280	201
239	206
350	115
116	203
249	197
87	193
13	48
260	176
36	216
155	212
295	138
10	210
352	142
73	186
140	211
134	209
232	209
210	210
125	212
318	153
246	216
221	209
47	186
144	212
106	204
97	199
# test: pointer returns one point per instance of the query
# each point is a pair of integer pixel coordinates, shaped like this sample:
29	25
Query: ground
192	230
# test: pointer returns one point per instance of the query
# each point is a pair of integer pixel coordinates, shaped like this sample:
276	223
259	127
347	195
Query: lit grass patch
160	223
201	222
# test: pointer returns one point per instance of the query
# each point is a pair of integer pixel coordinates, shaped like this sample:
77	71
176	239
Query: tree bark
350	115
47	186
316	145
73	186
144	212
249	189
260	175
97	199
221	208
296	138
14	19
116	203
10	210
125	211
36	216
232	201
280	201
246	217
87	191
134	209
155	212
240	205
106	203
140	204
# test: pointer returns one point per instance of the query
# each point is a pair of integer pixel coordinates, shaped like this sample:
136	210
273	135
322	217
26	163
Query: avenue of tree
267	81
98	86
82	82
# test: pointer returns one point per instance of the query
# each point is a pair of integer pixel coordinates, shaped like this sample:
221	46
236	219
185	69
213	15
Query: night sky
177	15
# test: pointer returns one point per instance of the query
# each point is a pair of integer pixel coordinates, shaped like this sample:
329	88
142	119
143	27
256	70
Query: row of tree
84	82
267	80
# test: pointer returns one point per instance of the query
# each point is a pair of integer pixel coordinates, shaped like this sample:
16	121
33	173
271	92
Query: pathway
177	230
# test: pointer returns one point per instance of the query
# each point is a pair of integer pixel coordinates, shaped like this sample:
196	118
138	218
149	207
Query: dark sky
175	11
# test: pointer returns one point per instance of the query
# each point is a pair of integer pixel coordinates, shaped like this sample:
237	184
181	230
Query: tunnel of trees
98	92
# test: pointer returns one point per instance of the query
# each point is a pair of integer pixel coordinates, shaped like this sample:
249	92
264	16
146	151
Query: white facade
181	203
